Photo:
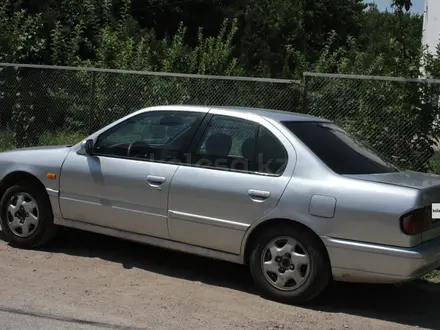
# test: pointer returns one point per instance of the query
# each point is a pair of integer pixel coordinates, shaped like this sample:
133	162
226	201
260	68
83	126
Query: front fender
38	162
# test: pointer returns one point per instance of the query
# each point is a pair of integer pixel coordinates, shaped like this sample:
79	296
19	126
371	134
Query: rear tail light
416	221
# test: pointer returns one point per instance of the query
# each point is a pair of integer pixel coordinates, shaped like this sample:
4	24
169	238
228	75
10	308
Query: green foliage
19	38
433	276
104	97
324	16
404	28
59	138
273	38
62	138
271	29
281	37
435	163
397	119
400	4
211	55
6	140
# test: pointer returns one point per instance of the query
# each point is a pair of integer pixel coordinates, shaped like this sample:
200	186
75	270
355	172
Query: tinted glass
340	151
237	131
239	144
271	154
228	143
151	135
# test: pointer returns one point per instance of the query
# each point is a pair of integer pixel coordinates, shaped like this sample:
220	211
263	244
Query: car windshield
340	151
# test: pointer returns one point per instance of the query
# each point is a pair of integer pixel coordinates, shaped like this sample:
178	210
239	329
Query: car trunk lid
428	184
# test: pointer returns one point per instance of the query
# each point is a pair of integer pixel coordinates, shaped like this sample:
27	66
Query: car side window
271	154
240	145
228	143
155	136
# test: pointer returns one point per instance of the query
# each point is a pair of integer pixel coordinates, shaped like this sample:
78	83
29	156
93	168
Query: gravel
90	281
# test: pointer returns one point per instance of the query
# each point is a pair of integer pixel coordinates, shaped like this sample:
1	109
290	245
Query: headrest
219	144
248	149
170	121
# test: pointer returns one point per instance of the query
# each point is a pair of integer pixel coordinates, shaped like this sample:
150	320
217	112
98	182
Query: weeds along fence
41	105
397	117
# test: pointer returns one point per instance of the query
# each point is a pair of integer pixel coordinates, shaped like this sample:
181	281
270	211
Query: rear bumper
371	263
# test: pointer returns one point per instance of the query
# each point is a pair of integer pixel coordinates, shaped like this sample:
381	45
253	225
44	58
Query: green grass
435	161
61	138
7	140
433	277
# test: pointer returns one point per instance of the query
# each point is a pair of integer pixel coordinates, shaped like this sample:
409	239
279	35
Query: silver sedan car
294	197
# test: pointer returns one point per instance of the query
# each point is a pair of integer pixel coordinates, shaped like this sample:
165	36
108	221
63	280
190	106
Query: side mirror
88	146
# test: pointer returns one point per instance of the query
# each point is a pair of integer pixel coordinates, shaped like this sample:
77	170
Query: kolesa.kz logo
435	210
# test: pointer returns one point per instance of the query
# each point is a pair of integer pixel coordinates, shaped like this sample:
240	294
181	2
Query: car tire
301	283
38	232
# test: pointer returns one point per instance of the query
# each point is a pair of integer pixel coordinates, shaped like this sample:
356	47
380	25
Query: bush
397	119
47	139
6	140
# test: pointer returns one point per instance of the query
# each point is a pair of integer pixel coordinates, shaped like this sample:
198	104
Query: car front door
240	166
124	184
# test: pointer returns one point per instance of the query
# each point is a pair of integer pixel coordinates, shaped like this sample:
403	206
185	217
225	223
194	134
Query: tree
400	4
378	28
271	29
396	118
322	17
280	35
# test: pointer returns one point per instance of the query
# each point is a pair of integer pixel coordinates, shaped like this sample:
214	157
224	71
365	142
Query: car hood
34	160
34	154
37	148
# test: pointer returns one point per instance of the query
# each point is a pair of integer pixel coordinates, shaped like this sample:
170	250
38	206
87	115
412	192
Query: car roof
276	115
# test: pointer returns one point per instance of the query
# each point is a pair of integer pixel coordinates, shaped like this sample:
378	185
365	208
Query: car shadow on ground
415	304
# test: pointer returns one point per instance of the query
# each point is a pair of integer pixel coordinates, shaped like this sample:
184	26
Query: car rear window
340	151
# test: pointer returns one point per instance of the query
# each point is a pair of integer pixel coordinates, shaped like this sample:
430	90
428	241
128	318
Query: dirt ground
89	281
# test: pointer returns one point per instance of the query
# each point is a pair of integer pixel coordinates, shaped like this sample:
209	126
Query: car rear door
129	190
240	166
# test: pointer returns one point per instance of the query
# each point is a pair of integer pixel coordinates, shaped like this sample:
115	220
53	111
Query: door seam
168	200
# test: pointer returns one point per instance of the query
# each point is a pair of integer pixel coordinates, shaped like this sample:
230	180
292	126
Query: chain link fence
396	117
43	105
53	105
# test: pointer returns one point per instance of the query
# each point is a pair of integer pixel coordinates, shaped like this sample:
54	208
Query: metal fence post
305	95
92	114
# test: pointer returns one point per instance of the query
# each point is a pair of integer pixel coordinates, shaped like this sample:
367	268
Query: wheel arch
250	238
18	176
50	229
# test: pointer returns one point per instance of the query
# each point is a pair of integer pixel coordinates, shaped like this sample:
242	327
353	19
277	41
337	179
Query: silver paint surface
213	212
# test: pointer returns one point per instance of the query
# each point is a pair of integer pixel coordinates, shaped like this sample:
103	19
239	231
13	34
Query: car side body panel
116	193
356	218
213	208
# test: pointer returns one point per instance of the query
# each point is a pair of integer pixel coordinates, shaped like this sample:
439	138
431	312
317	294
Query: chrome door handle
258	195
155	181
